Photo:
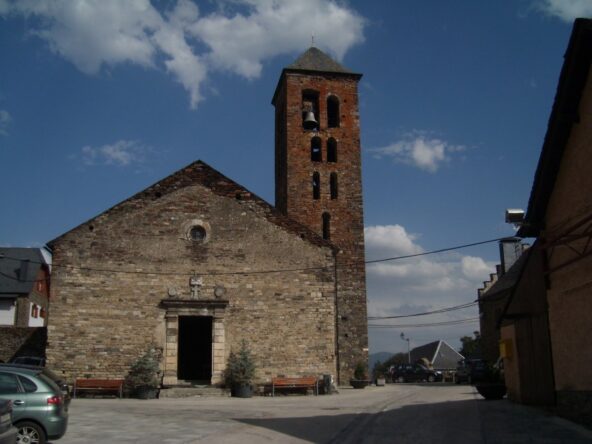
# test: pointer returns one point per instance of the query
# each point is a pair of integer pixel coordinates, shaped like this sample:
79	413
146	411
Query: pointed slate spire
313	59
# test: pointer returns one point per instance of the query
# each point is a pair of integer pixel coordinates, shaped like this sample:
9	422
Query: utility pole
408	347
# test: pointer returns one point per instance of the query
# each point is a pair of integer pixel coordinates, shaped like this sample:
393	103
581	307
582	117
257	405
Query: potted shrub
492	385
378	373
380	379
240	371
360	379
144	376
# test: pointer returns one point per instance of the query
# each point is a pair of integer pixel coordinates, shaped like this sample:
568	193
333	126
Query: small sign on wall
505	348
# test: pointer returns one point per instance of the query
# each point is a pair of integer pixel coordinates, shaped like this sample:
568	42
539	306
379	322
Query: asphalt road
397	413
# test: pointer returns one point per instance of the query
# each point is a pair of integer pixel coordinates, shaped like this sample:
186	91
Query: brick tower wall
294	194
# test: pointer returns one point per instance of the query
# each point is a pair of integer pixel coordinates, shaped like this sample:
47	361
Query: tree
382	368
240	368
471	347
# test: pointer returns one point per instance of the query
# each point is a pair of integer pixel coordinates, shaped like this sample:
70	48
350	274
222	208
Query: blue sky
99	100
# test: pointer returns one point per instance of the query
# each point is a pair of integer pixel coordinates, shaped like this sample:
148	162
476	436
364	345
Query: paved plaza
401	413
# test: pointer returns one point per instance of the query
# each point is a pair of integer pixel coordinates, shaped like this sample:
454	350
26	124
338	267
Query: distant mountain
379	356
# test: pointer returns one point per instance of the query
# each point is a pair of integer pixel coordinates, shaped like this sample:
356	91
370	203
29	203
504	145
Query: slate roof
313	59
509	279
424	351
200	173
439	353
18	270
564	114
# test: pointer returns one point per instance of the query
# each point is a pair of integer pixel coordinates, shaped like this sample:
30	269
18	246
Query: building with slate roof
546	324
495	293
24	287
439	354
195	263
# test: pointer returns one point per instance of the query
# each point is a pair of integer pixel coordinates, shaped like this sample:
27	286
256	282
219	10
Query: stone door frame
177	307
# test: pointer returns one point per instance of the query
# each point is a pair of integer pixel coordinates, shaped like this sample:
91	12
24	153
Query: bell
310	121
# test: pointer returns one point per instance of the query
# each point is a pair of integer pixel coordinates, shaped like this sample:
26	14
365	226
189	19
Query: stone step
193	391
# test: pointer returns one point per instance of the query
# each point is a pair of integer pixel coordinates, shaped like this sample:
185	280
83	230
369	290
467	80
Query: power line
431	324
370	318
251	272
425	313
478	301
20	280
442	250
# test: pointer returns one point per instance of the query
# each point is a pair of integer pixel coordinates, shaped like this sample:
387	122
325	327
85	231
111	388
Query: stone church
196	263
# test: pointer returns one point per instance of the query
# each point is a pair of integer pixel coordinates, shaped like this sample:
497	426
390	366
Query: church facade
196	263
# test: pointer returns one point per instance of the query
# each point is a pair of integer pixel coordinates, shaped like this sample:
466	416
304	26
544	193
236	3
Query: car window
50	383
28	385
51	375
8	383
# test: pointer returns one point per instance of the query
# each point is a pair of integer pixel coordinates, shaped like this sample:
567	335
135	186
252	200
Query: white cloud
415	285
566	10
476	268
420	150
240	43
120	153
96	33
390	240
5	121
188	68
441	271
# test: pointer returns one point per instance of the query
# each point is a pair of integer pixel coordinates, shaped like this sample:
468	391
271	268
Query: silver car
40	407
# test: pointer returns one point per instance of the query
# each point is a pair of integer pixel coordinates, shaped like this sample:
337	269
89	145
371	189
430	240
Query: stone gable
121	282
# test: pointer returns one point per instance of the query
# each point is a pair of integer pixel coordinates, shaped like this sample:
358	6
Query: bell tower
318	181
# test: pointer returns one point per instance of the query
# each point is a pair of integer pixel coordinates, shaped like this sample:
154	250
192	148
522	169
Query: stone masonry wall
294	196
101	321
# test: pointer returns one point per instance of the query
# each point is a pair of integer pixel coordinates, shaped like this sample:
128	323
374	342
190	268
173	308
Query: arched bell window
316	186
316	152
310	109
333	185
326	226
331	150
332	112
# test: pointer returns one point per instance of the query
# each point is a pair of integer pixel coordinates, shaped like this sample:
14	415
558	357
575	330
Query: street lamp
408	347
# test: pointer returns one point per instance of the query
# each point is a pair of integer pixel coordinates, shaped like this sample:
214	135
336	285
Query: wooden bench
289	383
101	385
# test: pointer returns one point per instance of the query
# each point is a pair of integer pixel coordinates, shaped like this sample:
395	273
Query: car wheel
400	379
431	378
30	433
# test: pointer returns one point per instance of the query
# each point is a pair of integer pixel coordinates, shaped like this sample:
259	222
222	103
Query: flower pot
146	392
491	391
241	391
358	383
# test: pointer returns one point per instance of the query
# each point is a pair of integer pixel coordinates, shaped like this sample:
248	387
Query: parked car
7	430
470	370
414	373
29	360
40	406
60	382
